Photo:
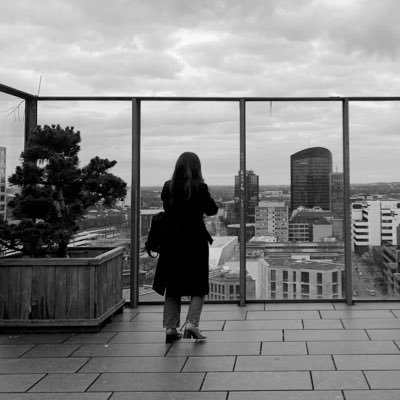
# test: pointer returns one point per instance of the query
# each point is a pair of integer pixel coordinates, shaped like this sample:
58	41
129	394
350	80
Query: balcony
263	351
271	347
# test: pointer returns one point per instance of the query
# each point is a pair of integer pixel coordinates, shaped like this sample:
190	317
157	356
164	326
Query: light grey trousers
172	311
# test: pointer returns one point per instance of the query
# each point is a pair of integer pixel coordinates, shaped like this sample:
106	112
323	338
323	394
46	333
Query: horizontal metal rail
217	99
15	92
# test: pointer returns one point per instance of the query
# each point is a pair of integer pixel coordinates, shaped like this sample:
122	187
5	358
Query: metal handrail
31	118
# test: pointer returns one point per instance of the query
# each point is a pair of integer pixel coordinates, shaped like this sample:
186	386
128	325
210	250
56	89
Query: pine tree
55	192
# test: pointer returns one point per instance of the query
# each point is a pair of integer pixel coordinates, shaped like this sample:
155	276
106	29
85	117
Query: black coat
182	268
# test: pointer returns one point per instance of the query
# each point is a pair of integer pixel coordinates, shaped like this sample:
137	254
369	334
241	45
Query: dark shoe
172	335
192	331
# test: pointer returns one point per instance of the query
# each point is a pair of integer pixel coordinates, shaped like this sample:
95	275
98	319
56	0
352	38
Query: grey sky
221	48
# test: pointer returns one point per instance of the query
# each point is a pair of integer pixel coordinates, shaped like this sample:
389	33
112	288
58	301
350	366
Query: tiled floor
261	352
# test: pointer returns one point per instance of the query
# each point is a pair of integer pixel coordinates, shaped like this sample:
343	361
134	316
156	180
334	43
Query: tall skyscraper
2	183
336	193
252	195
309	178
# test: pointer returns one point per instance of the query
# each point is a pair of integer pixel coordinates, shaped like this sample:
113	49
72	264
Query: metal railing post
243	202
31	112
135	204
347	203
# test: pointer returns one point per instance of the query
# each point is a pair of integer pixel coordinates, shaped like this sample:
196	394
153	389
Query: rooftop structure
309	178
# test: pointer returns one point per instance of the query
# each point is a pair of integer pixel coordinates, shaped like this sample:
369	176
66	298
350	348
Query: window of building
285	287
237	289
335	277
294	288
285	276
335	288
319	278
319	290
305	289
273	295
305	277
273	286
294	276
273	275
285	295
230	289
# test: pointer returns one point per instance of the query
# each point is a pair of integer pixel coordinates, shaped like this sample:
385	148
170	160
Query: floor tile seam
85	363
184	364
397	345
78	348
366	379
92	383
22	354
33	385
368	335
112	337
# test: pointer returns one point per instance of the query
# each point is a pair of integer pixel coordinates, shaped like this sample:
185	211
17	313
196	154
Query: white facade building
3	183
374	223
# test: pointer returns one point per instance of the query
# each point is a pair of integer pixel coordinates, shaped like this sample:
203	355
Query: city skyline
216	48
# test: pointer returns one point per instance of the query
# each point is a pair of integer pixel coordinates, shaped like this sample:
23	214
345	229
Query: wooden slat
50	292
14	293
72	292
4	283
82	293
60	296
26	292
92	293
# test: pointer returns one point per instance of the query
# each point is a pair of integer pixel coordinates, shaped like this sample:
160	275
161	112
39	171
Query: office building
303	279
3	181
310	225
252	198
272	218
374	223
336	193
309	178
225	285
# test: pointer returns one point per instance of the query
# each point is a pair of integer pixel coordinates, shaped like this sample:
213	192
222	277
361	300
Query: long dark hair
187	171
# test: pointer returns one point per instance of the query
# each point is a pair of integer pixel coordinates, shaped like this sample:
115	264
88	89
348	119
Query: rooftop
292	351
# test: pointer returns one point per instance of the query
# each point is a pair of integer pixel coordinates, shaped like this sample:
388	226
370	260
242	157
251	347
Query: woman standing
182	269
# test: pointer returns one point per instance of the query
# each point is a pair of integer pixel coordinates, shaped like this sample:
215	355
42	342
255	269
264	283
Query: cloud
209	48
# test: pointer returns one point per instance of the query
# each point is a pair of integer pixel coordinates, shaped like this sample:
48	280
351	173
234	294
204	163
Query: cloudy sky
208	48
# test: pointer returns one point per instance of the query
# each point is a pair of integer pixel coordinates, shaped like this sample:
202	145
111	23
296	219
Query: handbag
153	243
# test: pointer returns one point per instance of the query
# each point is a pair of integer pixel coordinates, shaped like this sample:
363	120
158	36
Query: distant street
363	282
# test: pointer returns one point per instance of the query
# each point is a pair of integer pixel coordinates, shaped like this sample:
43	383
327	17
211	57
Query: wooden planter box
76	293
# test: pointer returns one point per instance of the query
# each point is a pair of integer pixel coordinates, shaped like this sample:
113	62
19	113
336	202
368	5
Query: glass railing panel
295	248
12	119
375	199
211	130
106	132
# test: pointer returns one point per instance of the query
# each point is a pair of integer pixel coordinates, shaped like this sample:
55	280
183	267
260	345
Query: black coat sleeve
209	205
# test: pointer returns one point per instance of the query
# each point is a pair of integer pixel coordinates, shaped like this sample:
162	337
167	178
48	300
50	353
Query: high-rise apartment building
374	223
272	218
252	198
336	193
3	183
309	178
